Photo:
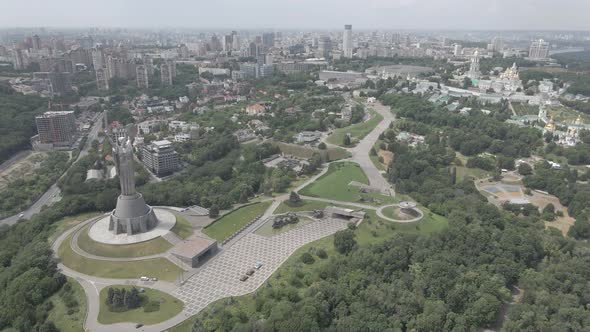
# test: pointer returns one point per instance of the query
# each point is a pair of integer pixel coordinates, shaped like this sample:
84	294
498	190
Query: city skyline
305	14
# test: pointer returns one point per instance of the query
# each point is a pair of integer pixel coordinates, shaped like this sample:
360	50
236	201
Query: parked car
244	278
154	279
258	265
138	326
250	272
144	278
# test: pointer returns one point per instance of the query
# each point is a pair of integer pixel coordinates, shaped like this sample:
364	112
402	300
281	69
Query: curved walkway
383	216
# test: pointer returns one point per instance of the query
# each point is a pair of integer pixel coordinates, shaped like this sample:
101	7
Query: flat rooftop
193	246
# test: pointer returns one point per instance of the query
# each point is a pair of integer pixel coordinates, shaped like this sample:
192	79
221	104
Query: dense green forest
17	120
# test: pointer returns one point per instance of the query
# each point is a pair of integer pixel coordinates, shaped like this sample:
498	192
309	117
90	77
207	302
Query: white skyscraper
347	41
539	49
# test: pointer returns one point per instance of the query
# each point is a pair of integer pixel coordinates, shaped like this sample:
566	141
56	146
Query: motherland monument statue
132	215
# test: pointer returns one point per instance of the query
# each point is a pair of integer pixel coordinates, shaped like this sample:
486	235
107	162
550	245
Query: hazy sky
303	14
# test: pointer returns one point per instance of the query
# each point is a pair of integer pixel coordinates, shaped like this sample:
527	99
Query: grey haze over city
302	14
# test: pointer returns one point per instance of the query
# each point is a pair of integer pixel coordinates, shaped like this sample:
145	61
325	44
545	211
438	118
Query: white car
144	278
21	215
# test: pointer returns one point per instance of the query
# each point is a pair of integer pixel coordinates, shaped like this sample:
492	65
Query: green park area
231	222
160	268
153	307
335	185
357	131
146	248
68	307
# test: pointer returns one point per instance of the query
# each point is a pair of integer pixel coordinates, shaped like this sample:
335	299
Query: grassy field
230	223
374	229
169	307
68	320
267	230
394	213
182	228
329	154
476	173
146	248
525	109
357	131
334	185
66	223
160	268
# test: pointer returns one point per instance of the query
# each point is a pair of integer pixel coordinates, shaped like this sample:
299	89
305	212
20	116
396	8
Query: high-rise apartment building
347	41
539	49
497	44
324	47
160	158
268	39
36	42
59	82
57	128
141	76
167	69
102	79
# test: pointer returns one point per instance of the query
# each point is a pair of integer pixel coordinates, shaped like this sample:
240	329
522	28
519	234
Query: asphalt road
53	194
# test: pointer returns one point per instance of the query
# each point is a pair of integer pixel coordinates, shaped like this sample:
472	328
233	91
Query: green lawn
357	131
334	185
329	154
475	173
230	223
57	228
267	230
393	212
65	319
169	307
160	268
374	229
182	228
146	248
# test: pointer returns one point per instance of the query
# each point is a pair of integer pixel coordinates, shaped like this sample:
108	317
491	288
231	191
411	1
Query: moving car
144	278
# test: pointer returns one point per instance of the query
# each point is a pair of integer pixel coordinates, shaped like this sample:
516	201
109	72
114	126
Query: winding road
53	194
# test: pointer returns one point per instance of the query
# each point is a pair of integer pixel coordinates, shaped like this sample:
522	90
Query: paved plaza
99	232
220	278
